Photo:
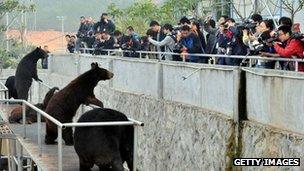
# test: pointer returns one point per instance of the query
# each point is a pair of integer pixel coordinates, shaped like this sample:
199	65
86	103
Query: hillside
48	10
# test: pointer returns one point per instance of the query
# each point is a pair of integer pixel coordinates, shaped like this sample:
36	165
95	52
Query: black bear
26	71
64	104
107	146
31	115
10	84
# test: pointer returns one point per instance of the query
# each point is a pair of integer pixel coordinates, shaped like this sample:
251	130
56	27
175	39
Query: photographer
81	33
157	36
265	28
213	33
104	24
131	47
190	43
250	32
130	32
288	47
168	42
103	41
224	38
118	39
196	29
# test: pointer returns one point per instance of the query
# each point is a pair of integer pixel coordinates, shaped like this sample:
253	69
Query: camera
250	26
178	47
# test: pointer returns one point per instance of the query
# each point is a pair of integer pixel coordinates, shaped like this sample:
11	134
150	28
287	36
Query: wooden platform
49	160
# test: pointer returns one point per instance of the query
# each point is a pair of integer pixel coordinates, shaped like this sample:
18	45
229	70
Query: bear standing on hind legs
26	71
64	104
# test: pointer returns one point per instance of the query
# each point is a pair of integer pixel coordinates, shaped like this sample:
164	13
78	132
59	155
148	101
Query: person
104	42
265	28
71	44
211	37
285	21
190	44
168	42
105	25
131	47
159	35
131	32
44	62
67	39
236	45
288	47
224	38
118	39
213	33
81	33
196	29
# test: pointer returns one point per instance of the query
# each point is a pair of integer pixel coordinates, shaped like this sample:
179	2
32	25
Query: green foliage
9	59
142	12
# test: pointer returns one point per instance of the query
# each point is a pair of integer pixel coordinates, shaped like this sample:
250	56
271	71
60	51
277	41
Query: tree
291	6
14	7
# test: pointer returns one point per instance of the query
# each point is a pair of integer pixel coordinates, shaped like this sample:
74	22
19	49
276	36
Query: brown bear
64	104
31	115
26	71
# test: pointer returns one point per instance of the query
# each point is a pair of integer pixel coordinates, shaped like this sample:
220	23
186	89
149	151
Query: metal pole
59	148
135	148
222	7
62	30
296	66
24	120
39	132
9	155
20	160
13	152
7	27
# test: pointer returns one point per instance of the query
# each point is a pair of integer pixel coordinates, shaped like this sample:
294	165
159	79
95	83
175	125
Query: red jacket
293	47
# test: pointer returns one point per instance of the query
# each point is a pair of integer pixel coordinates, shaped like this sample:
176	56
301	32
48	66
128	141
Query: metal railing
61	126
119	52
3	91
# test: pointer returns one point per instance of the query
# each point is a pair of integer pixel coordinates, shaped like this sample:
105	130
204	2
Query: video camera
248	25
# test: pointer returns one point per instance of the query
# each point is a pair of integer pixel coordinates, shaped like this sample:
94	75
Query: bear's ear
94	65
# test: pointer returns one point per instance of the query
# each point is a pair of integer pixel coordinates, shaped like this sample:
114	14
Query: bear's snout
110	75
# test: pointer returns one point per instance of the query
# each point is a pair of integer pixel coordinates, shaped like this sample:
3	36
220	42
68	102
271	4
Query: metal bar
55	121
272	75
59	148
9	155
39	132
20	158
135	149
13	152
208	55
45	85
297	66
90	124
39	90
24	120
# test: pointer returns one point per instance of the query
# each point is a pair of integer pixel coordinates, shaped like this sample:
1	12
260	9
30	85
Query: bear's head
102	73
40	53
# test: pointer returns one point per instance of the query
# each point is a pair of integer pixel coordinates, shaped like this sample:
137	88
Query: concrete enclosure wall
211	88
276	98
193	124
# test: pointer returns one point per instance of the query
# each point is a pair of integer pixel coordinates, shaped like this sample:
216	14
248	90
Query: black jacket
103	26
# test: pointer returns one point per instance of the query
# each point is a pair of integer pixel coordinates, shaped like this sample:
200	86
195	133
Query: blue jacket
193	44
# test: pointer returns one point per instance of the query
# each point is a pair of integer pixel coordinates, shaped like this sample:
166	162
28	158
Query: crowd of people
257	36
